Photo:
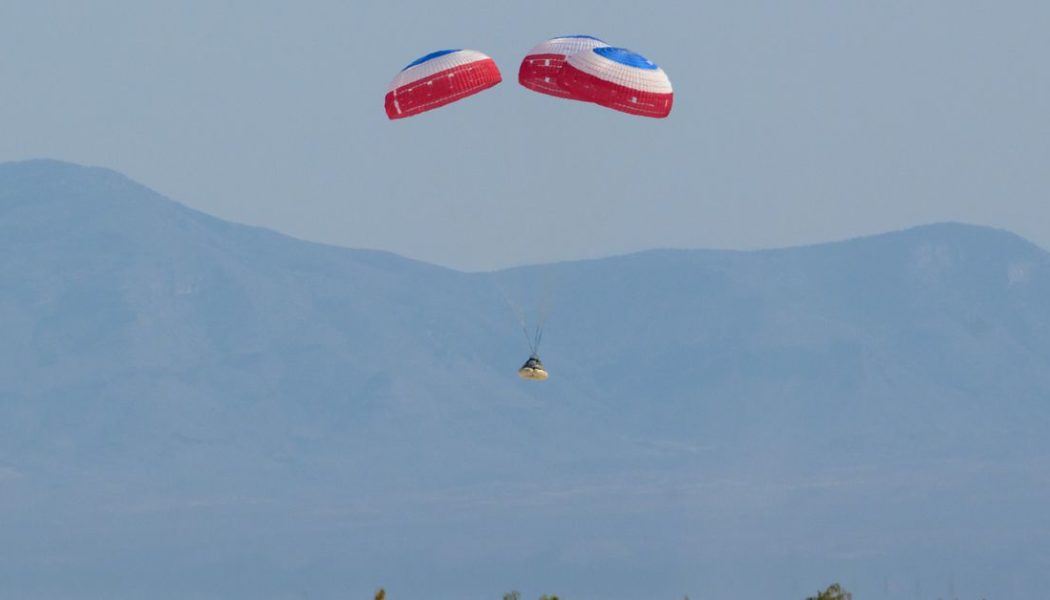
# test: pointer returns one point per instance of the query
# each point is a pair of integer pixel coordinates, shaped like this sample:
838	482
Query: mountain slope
194	408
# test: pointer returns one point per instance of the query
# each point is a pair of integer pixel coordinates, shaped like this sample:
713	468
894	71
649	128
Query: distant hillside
191	408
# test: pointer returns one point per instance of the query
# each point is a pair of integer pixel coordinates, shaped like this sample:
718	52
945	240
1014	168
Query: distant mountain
191	408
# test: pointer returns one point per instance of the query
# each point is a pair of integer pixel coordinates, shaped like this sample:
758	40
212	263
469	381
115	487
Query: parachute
619	79
575	67
437	79
542	66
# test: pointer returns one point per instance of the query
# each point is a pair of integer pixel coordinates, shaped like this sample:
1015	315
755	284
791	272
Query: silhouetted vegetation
834	592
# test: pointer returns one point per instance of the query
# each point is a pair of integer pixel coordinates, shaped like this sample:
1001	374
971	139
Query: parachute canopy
533	369
619	79
542	66
437	79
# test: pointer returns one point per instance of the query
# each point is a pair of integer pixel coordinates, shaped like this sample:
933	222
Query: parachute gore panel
619	79
542	66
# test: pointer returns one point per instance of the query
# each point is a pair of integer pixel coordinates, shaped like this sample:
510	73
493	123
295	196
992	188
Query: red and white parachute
437	79
575	67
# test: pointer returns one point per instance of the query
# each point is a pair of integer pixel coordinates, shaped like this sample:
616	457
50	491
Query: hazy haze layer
191	408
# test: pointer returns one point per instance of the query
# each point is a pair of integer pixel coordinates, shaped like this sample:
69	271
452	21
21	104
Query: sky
793	122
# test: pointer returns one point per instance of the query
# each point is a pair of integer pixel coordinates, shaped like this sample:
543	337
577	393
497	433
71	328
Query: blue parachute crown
579	36
626	57
431	56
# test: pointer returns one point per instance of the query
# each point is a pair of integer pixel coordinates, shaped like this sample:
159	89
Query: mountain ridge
49	168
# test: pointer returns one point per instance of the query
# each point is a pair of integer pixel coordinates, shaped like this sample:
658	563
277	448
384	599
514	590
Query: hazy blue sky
794	122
